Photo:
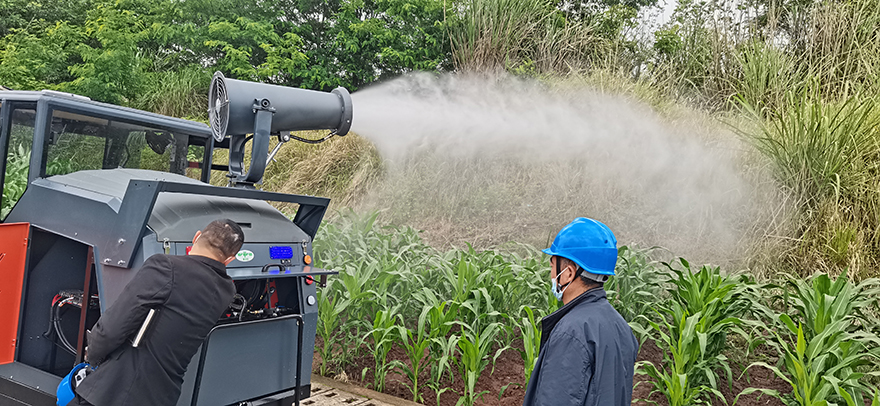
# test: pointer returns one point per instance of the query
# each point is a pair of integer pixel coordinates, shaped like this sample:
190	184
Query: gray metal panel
76	213
112	279
178	216
238	367
241	274
114	182
30	376
310	326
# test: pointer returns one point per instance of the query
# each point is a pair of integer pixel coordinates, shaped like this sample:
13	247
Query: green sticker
244	256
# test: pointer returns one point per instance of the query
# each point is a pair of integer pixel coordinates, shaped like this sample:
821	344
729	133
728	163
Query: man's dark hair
224	236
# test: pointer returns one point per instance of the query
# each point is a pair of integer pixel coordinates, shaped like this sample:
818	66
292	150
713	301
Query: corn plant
719	298
531	337
356	282
474	352
685	360
478	311
440	314
824	348
329	320
822	301
416	345
383	339
440	320
852	402
446	348
817	369
703	307
637	285
461	279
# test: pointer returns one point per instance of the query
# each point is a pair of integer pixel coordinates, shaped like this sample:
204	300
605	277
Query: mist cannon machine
238	108
73	240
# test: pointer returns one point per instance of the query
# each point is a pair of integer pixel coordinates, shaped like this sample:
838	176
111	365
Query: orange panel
13	253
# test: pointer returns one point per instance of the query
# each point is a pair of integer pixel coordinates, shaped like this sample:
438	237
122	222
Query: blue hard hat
589	243
64	394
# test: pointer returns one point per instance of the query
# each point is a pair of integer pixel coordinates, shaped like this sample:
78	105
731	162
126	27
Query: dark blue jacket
587	356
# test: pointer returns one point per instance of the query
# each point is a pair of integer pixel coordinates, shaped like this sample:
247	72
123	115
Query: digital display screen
280	252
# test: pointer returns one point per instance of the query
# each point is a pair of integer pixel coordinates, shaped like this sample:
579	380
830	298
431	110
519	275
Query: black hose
56	321
308	141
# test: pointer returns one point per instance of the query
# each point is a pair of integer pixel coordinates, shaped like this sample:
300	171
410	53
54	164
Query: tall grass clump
840	45
529	35
343	168
766	76
182	93
825	154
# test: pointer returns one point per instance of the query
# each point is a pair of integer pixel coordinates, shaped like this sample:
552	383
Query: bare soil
508	372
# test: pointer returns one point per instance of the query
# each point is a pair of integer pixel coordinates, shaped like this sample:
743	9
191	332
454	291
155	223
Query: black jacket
190	293
587	356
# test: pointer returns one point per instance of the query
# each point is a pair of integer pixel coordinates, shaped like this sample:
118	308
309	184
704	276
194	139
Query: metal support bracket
264	112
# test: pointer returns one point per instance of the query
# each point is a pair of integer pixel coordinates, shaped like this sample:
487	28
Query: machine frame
25	385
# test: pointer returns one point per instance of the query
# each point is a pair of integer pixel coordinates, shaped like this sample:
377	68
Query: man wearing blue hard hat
588	351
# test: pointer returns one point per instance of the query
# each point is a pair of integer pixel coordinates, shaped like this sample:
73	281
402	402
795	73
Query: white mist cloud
537	157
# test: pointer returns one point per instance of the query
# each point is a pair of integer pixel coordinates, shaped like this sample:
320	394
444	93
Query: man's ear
198	234
228	260
572	267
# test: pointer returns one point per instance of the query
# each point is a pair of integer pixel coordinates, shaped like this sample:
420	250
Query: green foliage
450	315
182	93
636	286
15	181
825	154
682	360
37	61
530	36
451	312
18	14
416	345
253	50
382	337
704	306
474	348
328	325
819	148
824	347
767	77
115	51
531	336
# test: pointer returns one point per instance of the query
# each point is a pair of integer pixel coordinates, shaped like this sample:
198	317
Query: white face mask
555	287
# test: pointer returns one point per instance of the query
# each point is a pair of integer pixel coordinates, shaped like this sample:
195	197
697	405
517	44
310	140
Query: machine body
91	190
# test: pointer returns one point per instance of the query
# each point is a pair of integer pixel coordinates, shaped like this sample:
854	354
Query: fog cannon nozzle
238	107
234	104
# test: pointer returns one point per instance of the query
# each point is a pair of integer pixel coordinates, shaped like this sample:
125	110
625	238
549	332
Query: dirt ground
508	371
